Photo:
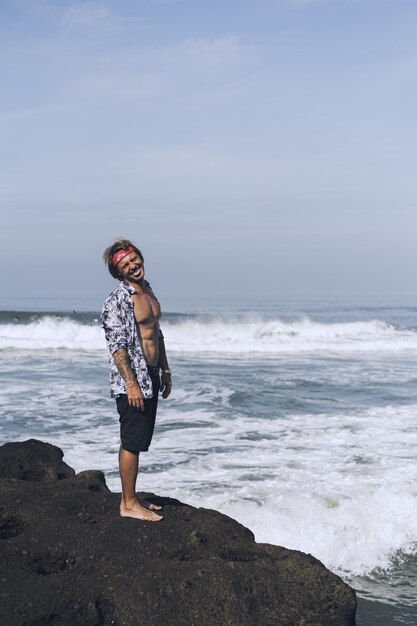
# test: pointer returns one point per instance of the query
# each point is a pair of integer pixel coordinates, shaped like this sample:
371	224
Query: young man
130	319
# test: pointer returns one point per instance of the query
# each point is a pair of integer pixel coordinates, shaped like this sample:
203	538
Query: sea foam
52	332
241	336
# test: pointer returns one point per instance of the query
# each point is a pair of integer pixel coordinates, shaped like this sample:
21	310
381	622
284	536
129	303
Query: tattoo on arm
122	362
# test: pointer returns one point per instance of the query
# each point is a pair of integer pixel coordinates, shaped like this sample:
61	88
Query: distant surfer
137	357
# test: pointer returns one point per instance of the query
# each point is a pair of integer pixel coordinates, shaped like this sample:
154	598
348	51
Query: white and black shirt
120	331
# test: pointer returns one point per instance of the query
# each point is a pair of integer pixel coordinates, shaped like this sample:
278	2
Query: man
130	318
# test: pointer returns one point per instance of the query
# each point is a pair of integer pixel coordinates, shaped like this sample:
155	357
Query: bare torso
147	312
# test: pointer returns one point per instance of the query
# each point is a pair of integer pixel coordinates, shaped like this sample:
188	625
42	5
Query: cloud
71	17
86	15
79	55
98	18
227	50
204	67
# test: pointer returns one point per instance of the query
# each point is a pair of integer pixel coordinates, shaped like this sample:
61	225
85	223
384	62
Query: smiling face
131	268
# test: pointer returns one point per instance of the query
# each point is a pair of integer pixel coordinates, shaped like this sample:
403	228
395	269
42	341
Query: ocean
296	417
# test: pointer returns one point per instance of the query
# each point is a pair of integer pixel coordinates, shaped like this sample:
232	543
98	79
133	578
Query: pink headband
119	255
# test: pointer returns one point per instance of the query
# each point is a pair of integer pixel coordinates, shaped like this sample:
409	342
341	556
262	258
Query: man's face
131	268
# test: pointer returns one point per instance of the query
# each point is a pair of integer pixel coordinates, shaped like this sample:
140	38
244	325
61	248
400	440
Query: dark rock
33	460
94	480
67	558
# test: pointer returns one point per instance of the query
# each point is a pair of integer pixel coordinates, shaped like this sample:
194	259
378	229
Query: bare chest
146	308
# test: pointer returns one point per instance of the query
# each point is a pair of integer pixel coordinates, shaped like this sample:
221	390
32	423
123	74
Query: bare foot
139	512
149	505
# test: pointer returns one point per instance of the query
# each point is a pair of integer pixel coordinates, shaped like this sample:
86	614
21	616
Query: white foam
339	487
349	534
276	336
244	336
51	332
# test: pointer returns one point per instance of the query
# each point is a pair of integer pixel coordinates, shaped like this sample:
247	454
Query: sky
250	148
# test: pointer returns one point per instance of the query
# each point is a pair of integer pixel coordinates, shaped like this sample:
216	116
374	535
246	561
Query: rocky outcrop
67	558
33	460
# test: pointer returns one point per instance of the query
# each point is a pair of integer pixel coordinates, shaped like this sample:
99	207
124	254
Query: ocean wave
242	336
51	332
276	336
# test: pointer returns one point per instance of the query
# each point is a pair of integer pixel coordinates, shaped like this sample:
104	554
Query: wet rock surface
66	557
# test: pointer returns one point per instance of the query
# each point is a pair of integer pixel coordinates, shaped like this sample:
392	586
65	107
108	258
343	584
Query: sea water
297	418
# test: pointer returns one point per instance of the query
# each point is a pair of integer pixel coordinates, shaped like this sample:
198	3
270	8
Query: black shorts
136	426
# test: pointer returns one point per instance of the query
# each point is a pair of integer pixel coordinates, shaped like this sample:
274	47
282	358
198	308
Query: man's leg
130	505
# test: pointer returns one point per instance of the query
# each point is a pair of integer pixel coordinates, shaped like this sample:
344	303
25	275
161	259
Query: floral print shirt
120	330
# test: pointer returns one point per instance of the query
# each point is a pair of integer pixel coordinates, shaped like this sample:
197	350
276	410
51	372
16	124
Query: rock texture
67	558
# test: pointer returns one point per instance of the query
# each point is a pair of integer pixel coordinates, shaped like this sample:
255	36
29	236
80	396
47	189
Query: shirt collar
126	287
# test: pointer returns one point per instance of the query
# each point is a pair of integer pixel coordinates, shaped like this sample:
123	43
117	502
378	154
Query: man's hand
165	385
134	396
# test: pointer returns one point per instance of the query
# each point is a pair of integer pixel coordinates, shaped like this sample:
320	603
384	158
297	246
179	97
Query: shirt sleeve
114	328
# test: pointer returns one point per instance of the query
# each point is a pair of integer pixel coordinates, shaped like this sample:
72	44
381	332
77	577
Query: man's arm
163	364
122	362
